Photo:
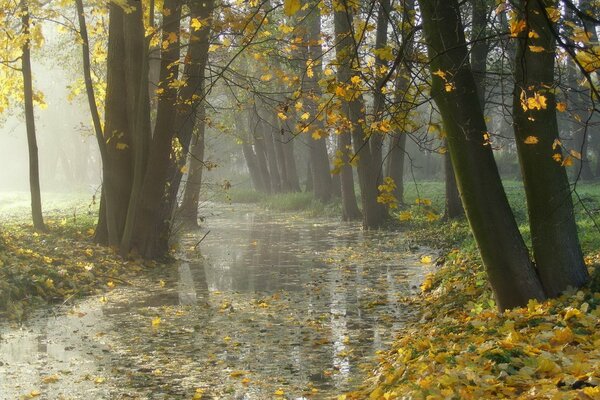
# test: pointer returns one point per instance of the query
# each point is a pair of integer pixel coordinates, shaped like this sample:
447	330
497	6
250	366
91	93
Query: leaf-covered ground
463	348
59	265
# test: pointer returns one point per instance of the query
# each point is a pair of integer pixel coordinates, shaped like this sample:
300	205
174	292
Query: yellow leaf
156	321
553	14
536	49
567	162
195	24
51	379
516	27
405	216
291	7
561	107
531	140
266	77
562	336
279	392
198	394
305	116
99	380
121	146
440	73
426	259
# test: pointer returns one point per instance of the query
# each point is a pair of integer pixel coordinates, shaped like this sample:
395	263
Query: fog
68	155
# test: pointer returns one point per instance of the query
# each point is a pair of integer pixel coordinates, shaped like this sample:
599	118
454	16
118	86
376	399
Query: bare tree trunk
34	169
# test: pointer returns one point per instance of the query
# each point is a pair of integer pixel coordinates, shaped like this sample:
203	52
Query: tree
396	156
34	169
554	236
313	54
503	251
353	108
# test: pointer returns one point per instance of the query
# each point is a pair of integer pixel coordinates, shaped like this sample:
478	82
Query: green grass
586	203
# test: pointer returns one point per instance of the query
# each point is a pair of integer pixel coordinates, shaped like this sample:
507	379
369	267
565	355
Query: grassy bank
471	351
284	202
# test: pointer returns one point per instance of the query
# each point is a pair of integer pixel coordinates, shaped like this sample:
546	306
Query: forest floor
546	350
297	307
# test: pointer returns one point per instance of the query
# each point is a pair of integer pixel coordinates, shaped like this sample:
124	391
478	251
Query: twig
197	244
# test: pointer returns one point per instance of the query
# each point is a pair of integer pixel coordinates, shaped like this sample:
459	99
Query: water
264	304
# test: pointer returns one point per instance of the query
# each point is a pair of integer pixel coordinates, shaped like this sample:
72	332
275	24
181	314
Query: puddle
264	304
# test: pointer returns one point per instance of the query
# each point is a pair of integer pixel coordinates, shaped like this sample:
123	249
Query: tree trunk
266	135
191	115
479	47
260	151
350	210
395	167
34	171
290	162
377	138
374	213
249	154
191	194
152	220
117	169
320	170
504	254
454	208
555	242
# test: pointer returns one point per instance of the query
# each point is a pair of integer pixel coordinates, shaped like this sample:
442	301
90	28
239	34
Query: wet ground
265	306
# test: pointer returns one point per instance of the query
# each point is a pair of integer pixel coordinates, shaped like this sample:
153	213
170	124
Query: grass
283	202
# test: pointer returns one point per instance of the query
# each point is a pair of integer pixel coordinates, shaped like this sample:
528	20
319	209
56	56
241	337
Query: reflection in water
260	303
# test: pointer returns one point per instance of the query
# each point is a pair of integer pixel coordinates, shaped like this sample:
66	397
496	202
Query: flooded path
266	306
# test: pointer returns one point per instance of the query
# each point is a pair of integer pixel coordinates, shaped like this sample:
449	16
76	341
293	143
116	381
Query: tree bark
397	152
350	210
117	174
453	207
374	213
504	254
319	158
34	169
555	242
191	195
191	112
152	220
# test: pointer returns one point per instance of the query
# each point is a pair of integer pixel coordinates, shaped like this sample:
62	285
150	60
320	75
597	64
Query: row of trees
349	83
